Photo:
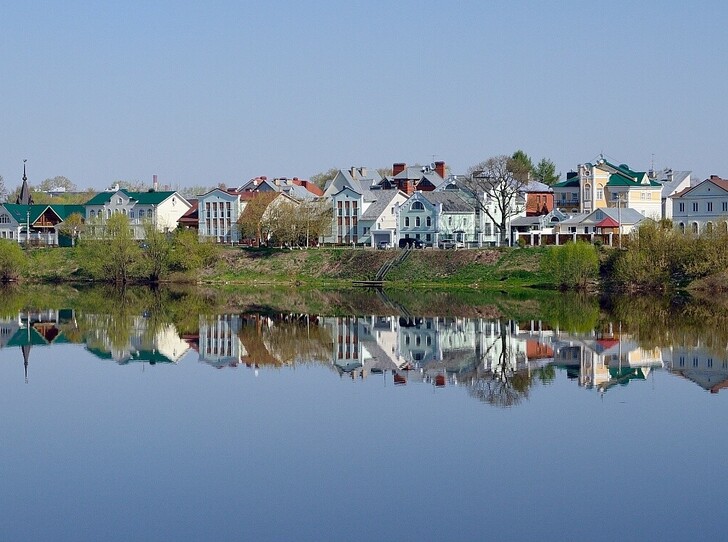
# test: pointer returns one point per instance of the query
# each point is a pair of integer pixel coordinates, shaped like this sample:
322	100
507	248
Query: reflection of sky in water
96	451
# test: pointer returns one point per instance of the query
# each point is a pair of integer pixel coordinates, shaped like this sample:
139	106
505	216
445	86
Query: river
359	415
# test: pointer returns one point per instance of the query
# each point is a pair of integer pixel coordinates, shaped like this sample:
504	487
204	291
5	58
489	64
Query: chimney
409	187
398	168
354	172
155	183
363	172
440	169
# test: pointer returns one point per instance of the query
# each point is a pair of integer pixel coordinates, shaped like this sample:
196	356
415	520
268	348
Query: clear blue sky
207	92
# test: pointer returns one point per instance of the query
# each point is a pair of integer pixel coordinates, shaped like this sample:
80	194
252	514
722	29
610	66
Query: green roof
146	198
20	212
568	183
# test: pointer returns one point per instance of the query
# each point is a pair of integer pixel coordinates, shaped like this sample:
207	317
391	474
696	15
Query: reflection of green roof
103	354
150	356
25	336
145	198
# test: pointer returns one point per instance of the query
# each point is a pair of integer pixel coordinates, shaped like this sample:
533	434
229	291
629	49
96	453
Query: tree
521	166
385	171
157	251
193	191
249	223
12	260
571	265
57	182
320	179
3	190
497	186
114	254
545	172
72	226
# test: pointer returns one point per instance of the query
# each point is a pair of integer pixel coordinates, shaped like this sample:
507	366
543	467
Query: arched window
682	227
141	213
723	227
709	227
4	219
417	206
406	222
417	221
587	192
92	214
695	227
429	221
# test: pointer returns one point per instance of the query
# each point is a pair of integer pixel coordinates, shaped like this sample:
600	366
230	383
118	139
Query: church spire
24	197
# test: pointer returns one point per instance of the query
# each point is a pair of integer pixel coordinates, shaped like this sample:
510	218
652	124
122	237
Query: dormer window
118	201
417	206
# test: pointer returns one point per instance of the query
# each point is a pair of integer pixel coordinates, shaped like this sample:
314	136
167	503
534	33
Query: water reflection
497	360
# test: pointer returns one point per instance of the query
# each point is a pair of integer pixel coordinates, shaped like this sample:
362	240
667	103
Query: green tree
545	172
157	251
72	227
189	254
112	254
571	266
12	260
57	182
320	179
521	166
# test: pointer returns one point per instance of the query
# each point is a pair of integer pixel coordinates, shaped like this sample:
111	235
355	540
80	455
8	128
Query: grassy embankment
477	268
502	269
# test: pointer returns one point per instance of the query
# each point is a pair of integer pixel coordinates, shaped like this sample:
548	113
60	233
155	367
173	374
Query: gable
705	189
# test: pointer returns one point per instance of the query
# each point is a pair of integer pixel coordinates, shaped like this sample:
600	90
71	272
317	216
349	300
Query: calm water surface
244	425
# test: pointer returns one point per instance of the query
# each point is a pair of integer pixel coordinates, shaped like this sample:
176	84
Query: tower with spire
24	197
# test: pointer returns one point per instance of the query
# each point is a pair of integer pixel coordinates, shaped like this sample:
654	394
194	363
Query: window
92	215
118	201
725	206
600	193
406	222
682	361
429	221
682	227
695	362
587	192
695	206
417	221
643	195
709	206
4	219
417	206
695	227
428	237
141	213
131	214
682	207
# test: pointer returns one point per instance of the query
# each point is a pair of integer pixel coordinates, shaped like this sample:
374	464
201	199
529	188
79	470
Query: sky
201	93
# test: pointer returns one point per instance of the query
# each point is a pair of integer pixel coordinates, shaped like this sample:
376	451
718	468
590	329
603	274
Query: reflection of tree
284	339
502	385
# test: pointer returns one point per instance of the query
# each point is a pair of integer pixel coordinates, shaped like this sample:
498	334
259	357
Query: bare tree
497	185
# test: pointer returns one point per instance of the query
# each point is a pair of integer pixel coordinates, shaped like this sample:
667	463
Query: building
162	209
702	207
603	184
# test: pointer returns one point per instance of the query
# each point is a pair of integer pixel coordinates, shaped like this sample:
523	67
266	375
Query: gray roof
526	221
452	203
670	180
625	215
537	186
378	206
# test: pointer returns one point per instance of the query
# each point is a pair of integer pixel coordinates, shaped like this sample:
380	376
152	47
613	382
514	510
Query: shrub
12	260
571	266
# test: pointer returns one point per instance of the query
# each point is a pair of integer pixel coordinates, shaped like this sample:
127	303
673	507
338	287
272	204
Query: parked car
383	245
451	244
414	243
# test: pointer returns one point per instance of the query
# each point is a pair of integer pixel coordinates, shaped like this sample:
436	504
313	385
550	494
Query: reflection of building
700	365
141	341
604	358
34	328
219	344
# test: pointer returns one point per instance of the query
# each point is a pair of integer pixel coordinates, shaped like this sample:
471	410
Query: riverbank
327	267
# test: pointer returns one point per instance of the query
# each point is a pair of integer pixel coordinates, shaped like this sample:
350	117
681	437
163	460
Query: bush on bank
571	266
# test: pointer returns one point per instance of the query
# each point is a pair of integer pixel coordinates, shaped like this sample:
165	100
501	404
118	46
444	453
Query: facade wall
218	216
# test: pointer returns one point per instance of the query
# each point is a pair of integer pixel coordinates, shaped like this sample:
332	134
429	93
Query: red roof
608	222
